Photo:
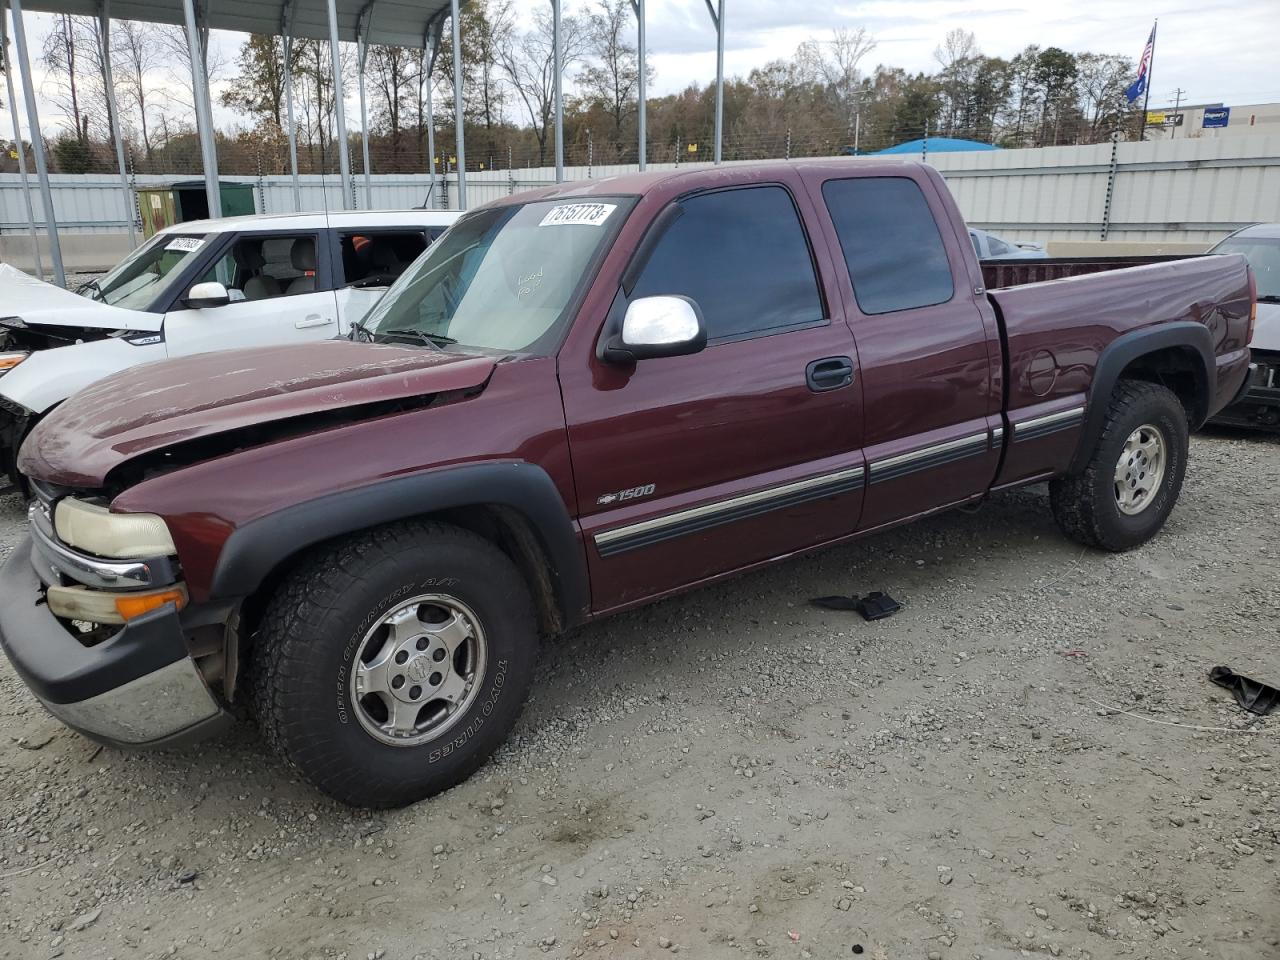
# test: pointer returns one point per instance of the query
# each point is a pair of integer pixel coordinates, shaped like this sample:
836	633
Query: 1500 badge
633	493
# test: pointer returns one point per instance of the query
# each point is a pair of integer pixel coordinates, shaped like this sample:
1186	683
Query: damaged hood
158	405
35	302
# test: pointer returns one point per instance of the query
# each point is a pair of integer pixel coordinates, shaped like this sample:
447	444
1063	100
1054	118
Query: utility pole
1177	103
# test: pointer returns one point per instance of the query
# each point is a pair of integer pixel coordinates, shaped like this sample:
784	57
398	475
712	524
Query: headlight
10	360
98	531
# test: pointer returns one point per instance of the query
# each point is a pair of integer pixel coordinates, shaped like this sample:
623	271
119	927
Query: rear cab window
743	257
891	243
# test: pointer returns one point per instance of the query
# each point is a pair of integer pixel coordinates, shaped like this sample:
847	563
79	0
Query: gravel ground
1027	760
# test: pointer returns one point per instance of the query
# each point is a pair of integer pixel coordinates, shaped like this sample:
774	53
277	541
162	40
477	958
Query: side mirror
666	326
211	294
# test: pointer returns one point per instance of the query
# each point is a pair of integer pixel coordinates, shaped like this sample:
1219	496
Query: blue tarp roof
938	145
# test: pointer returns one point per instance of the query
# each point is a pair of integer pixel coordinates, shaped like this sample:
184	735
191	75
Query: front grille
16	410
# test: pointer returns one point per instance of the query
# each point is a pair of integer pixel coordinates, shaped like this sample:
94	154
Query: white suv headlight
11	359
97	530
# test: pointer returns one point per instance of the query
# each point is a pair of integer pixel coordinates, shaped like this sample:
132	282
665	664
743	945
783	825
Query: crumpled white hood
34	301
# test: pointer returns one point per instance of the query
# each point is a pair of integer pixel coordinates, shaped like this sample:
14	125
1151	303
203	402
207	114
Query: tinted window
742	256
891	243
999	248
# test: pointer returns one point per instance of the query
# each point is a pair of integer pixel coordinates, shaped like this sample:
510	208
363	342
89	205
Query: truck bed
998	274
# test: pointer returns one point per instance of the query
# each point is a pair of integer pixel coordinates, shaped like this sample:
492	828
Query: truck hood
1266	334
231	394
38	303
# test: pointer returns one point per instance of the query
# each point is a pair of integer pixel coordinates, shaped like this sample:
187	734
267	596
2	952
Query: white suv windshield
501	278
139	280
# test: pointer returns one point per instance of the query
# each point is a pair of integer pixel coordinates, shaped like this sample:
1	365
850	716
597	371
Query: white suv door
281	291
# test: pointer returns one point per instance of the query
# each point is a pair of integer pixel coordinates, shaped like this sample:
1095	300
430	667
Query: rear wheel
1133	477
391	667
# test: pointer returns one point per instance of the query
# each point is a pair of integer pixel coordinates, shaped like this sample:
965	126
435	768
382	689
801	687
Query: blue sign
1217	116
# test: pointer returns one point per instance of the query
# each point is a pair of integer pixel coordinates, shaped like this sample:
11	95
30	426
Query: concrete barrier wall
1170	196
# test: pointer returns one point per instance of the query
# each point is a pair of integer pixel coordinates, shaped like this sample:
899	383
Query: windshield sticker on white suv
580	214
185	244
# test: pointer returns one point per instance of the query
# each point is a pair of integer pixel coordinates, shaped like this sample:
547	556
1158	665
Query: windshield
1263	255
144	276
501	278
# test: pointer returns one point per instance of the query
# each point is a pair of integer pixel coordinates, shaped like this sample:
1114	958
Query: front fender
254	550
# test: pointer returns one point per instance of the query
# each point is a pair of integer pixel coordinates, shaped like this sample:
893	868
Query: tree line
824	98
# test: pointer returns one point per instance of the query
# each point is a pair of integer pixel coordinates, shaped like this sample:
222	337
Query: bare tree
611	79
172	41
834	63
69	55
393	72
529	62
137	56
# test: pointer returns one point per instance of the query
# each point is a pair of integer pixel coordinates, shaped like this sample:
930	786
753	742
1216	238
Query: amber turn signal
135	605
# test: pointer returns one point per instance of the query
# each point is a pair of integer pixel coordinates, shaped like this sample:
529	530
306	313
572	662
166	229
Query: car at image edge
1259	405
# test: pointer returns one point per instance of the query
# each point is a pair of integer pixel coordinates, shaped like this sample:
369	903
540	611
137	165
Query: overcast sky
1215	50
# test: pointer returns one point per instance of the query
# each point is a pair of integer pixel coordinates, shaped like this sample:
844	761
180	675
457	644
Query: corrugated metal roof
401	23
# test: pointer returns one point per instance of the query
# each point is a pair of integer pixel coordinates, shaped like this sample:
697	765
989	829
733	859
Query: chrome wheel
418	670
1140	469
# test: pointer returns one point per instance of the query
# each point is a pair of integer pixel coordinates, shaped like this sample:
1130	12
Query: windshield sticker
581	214
185	244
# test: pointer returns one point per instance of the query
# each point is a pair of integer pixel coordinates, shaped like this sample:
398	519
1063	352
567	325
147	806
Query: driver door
281	291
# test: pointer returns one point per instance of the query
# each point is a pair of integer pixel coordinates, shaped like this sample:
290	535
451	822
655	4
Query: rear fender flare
254	550
1121	352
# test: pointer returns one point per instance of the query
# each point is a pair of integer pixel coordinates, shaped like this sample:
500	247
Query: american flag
1139	86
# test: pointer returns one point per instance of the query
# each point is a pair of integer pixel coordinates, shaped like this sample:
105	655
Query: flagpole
1151	69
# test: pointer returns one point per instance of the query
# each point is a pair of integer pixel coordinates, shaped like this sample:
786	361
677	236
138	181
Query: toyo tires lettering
485	709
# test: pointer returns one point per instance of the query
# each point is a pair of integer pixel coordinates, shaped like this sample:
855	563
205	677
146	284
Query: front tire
1133	477
392	665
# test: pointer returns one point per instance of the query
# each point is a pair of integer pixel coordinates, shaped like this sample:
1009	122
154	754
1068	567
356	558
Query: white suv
196	287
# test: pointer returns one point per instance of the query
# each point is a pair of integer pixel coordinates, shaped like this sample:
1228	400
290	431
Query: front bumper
139	687
1258	402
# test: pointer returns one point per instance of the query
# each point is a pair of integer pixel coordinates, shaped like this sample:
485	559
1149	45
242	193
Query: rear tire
392	665
1133	477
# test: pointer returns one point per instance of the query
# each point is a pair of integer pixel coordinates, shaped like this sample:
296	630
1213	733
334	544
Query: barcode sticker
578	214
185	244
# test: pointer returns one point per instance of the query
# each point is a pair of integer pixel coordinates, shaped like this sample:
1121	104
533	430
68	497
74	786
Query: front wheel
1131	481
391	667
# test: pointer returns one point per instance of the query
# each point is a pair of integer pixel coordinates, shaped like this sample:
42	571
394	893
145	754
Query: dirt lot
1027	760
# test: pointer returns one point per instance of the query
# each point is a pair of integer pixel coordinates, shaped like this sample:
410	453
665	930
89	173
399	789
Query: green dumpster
164	204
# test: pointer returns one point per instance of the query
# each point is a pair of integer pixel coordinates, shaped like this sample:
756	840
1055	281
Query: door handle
829	373
312	320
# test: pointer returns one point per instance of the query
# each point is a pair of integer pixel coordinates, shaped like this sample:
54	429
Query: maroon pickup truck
580	399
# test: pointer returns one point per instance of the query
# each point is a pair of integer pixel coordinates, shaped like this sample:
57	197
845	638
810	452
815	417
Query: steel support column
642	135
458	121
37	143
36	259
286	31
431	43
362	54
557	68
113	113
204	115
717	18
339	112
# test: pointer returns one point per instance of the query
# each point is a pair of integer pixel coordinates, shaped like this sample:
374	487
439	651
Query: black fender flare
254	550
1126	348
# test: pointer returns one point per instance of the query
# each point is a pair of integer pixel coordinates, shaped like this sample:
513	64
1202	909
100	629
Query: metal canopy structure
404	23
417	24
